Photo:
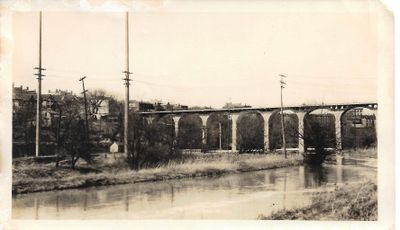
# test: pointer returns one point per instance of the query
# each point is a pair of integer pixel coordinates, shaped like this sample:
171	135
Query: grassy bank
369	153
352	202
33	177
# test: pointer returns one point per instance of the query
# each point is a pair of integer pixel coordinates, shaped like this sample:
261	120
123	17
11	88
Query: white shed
114	148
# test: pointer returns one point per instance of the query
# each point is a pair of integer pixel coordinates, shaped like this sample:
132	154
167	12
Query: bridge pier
338	129
234	118
266	117
301	116
149	119
176	126
204	128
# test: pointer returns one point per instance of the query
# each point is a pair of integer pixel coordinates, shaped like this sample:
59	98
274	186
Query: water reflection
339	174
36	208
172	195
315	176
239	196
272	177
126	196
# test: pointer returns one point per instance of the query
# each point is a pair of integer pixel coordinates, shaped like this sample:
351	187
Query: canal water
235	196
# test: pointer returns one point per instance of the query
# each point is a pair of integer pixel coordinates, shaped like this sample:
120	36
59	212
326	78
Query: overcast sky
207	53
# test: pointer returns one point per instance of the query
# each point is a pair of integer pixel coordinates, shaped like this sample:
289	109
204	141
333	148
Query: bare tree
23	125
23	117
150	144
69	129
96	98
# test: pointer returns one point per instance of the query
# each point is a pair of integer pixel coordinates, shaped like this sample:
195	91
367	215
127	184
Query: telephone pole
86	113
126	79
39	92
282	116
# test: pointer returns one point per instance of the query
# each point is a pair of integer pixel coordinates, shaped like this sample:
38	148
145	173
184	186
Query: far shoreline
224	164
36	177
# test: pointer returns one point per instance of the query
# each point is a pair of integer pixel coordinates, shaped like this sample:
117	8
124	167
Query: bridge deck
266	109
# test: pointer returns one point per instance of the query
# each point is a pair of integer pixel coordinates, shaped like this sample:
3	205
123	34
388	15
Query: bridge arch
250	131
291	124
358	127
320	125
163	129
190	134
219	131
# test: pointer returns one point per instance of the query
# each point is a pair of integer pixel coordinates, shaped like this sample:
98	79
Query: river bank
33	177
350	202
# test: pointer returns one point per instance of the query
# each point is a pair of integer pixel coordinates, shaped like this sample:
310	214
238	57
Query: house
99	108
360	118
22	96
141	106
230	105
26	97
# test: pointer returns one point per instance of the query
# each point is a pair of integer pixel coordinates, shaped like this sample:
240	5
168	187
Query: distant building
99	108
200	107
358	128
60	92
156	105
22	95
358	118
49	105
141	106
171	107
230	105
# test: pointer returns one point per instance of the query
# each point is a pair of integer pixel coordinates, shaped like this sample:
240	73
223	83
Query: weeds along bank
350	202
34	177
367	152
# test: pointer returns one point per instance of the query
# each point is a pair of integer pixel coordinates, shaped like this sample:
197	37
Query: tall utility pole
126	79
39	92
282	116
86	113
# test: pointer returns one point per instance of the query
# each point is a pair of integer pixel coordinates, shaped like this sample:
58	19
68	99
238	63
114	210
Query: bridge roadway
338	110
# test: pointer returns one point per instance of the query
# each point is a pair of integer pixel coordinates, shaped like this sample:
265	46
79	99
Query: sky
207	53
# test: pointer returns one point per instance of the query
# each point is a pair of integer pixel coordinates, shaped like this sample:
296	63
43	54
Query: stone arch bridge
265	116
